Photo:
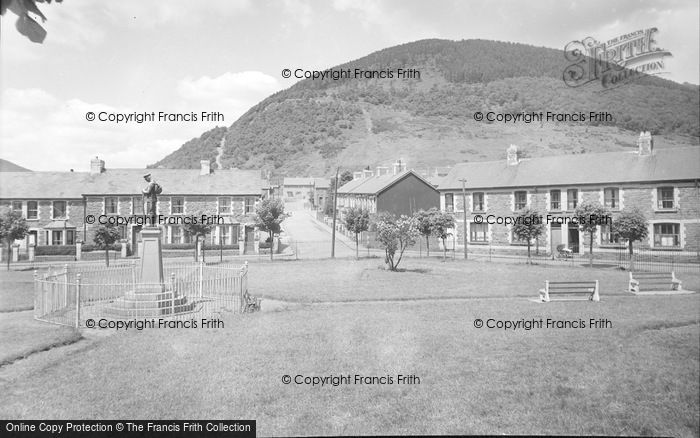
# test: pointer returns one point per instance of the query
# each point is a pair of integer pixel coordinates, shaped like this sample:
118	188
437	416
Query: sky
224	56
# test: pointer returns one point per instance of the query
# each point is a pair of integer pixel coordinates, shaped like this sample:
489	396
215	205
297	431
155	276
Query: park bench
250	303
589	289
654	282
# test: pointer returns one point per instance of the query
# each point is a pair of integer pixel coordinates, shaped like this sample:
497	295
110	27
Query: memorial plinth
151	296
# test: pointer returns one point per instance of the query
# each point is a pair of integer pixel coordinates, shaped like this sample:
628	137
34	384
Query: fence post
244	270
172	294
133	274
36	292
65	283
201	277
77	301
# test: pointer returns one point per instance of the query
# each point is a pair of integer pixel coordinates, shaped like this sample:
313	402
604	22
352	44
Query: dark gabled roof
73	185
603	168
376	184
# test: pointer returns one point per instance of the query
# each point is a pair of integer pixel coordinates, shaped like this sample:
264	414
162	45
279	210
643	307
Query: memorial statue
150	195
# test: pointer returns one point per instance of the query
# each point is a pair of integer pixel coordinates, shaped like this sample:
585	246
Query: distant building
663	183
321	188
56	204
298	189
399	191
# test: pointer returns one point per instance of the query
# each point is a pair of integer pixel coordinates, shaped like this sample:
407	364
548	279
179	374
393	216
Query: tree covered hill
314	126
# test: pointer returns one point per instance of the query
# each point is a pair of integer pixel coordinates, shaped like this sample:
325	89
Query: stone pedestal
151	296
78	250
241	247
123	242
31	252
15	252
151	256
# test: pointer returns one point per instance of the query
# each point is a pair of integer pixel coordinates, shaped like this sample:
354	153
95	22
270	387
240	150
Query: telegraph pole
335	210
464	207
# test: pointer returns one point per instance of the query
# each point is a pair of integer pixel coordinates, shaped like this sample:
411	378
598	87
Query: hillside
313	126
9	166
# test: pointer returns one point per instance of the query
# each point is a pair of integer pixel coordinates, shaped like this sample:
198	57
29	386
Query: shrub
51	250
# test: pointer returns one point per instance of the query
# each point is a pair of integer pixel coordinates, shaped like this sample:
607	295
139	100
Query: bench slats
588	288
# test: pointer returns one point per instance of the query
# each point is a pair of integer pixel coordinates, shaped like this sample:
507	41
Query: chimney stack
357	174
97	166
367	173
382	170
645	143
399	167
205	167
512	155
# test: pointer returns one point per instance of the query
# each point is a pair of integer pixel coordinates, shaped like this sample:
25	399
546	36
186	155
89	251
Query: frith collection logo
615	62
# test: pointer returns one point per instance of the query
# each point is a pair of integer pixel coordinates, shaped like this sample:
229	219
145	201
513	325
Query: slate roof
376	184
322	183
73	185
673	164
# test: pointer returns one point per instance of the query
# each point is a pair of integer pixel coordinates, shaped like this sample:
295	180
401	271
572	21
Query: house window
176	234
478	201
56	237
59	210
607	235
249	205
478	232
17	206
665	198
520	199
70	237
177	205
224	235
137	205
290	194
667	235
571	199
555	200
225	205
32	210
449	202
612	198
111	205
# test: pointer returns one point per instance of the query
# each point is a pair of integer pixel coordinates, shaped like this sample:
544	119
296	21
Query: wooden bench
654	282
588	288
250	303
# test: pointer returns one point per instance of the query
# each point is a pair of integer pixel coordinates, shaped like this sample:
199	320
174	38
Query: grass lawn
16	290
21	335
639	377
366	279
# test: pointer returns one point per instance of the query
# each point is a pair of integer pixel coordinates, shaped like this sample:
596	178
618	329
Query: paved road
311	238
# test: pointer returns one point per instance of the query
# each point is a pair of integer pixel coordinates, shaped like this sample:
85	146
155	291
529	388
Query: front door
573	238
555	236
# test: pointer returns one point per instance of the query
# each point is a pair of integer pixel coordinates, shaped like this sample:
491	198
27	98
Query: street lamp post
335	210
464	221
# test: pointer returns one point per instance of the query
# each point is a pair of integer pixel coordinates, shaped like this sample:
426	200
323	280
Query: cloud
240	85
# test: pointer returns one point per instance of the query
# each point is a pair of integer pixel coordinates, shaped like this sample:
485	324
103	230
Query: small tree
197	230
631	226
590	215
357	221
441	223
12	227
105	237
269	215
424	220
528	227
396	235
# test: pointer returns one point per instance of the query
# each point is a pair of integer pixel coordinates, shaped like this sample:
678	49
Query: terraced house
55	204
663	183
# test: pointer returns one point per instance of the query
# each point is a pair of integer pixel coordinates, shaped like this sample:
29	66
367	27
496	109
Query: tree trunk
357	248
427	244
529	260
444	250
9	254
631	256
272	245
107	257
590	252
